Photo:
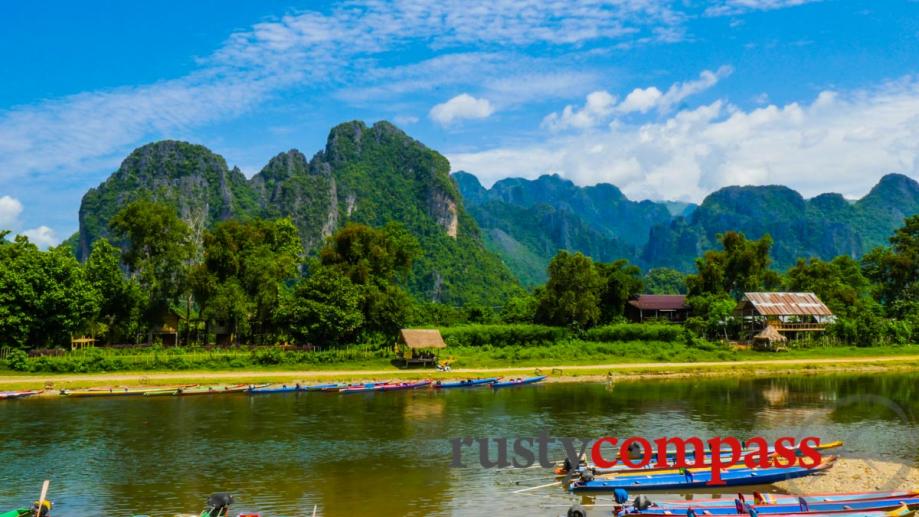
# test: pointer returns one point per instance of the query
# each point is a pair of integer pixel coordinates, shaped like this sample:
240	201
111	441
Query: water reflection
388	454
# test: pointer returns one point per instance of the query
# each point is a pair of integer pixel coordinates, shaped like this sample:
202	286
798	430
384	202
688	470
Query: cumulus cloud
463	106
43	237
10	208
846	139
601	105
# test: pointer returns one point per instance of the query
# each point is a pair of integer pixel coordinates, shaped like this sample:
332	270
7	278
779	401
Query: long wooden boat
123	391
899	511
335	386
759	498
284	388
694	480
9	395
517	382
360	388
799	506
398	386
215	390
466	383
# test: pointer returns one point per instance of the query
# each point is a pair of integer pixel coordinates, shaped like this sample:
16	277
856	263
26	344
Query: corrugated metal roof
659	302
787	304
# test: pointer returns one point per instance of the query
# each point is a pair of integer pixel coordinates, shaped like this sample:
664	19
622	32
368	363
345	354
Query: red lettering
625	452
680	446
785	450
597	456
759	457
714	445
809	452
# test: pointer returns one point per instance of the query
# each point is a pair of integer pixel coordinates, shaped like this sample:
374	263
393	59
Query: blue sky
667	100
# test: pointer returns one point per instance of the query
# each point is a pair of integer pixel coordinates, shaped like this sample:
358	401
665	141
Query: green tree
120	298
895	270
324	309
572	294
621	281
839	283
258	256
742	265
376	260
44	295
157	250
664	280
520	309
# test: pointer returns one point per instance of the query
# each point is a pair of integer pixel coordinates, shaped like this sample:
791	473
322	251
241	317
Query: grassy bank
570	361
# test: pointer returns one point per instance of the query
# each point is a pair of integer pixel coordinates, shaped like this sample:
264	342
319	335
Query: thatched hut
417	346
769	339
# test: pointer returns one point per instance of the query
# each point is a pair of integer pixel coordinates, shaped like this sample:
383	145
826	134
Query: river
389	453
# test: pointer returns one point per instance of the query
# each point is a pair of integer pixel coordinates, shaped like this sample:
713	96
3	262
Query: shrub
636	332
502	335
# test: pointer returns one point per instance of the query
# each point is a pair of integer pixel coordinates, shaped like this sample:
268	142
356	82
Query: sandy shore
856	475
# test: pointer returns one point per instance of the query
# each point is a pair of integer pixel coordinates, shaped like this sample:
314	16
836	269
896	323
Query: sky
668	100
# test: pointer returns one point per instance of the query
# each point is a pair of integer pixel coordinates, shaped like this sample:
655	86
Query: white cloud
43	237
10	208
601	105
463	106
735	7
93	130
844	139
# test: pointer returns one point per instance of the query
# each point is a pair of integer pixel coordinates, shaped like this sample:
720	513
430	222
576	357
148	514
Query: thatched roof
421	338
770	334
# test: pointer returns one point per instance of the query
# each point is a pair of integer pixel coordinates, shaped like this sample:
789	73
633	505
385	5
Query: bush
503	335
636	332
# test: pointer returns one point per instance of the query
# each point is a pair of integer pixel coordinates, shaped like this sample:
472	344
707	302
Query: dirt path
562	371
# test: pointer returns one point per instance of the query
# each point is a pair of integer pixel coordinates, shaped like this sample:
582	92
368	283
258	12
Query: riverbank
616	372
856	475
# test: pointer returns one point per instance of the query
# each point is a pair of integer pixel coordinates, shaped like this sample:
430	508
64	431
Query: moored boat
359	388
324	387
518	382
760	498
693	480
122	391
466	383
9	395
397	386
747	511
215	390
802	505
284	388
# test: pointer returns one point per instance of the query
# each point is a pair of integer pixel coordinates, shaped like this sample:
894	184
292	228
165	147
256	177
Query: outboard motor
587	475
567	464
641	503
218	505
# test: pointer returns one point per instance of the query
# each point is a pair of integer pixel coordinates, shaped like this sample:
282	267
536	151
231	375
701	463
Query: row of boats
620	480
255	389
854	504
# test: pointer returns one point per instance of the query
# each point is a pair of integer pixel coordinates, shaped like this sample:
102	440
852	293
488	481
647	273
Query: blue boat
518	382
800	506
698	479
779	499
324	387
901	511
468	383
284	388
